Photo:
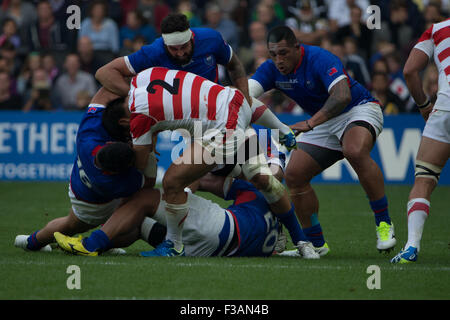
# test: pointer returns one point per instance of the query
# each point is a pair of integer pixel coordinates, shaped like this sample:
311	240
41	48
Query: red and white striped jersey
435	42
163	99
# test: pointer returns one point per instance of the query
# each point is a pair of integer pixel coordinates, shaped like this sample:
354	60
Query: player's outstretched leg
40	240
177	177
299	172
431	158
278	199
356	146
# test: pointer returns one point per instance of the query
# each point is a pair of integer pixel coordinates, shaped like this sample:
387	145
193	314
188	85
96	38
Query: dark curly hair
278	33
116	157
114	111
174	22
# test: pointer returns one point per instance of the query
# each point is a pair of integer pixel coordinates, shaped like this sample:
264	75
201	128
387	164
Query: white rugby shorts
202	226
328	134
437	126
92	213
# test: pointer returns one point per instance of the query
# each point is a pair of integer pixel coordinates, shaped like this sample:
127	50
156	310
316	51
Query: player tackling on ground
434	149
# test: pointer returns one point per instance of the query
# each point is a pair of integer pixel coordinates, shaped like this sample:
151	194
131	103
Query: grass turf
348	226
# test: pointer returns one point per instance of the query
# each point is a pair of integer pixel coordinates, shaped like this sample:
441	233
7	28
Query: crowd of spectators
45	65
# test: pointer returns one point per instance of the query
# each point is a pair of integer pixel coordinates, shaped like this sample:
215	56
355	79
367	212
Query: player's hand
300	127
288	140
425	112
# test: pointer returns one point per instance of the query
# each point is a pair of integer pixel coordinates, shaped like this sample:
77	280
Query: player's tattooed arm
340	97
238	76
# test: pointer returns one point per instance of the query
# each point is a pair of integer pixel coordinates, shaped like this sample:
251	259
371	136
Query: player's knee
355	154
295	180
272	189
172	185
429	172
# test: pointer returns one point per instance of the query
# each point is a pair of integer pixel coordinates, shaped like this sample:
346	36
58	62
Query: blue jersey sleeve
329	69
265	75
147	56
222	50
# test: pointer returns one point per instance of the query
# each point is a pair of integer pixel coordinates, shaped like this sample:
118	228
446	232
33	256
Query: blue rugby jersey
318	70
256	225
88	182
209	50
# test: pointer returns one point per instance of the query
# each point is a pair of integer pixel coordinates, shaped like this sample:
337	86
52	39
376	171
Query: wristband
426	104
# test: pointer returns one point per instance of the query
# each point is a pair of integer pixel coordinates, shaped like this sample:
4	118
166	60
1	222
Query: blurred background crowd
44	65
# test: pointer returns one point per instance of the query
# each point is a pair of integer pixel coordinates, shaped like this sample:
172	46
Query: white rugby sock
265	117
418	211
176	214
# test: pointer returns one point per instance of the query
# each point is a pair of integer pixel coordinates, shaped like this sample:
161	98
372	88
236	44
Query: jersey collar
302	54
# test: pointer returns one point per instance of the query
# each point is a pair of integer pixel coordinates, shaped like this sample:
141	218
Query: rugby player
218	119
345	122
103	173
434	148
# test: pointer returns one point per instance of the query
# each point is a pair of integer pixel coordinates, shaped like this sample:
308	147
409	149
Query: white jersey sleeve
426	43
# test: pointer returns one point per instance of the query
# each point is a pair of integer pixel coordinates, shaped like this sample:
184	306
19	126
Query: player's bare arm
142	156
417	61
238	76
114	75
340	97
104	96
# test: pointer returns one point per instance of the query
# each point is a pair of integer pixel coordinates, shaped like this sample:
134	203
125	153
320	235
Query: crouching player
245	228
103	172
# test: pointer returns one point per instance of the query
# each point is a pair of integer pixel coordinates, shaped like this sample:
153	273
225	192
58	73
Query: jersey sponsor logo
286	85
92	110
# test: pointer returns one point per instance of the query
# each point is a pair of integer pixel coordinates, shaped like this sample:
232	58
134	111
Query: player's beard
181	61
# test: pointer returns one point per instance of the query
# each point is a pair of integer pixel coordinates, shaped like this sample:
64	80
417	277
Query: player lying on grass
86	214
103	172
245	228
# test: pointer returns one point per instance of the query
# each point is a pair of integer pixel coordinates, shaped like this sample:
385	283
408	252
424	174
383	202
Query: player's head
177	37
116	120
115	157
284	49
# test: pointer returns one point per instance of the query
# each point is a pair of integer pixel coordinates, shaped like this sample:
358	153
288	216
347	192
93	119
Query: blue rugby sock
33	243
380	210
314	233
289	220
97	241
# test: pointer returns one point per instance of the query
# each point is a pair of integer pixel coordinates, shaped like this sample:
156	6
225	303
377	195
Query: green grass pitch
348	226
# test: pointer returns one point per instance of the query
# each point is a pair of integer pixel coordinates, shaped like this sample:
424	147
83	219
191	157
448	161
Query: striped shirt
162	99
435	42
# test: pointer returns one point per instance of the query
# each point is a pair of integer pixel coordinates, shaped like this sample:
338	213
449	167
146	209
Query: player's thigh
433	151
363	124
435	144
190	168
301	168
92	214
357	142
